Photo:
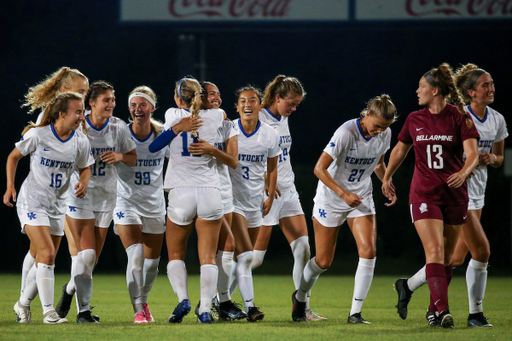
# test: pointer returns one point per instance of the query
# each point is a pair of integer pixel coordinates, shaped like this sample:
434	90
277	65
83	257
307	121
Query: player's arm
186	124
129	159
229	157
495	159
323	175
396	158
81	187
380	170
272	184
12	164
471	151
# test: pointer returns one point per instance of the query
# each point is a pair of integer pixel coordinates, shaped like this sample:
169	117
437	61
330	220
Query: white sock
30	291
28	262
233	284
209	277
257	258
150	273
177	274
45	279
224	260
311	273
362	282
301	254
134	279
244	273
83	280
476	279
417	280
70	288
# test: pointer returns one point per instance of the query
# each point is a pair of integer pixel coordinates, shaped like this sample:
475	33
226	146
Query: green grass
331	298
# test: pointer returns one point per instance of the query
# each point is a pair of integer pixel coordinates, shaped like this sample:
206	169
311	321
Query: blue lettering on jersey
220	145
98	151
31	215
361	161
56	164
251	158
149	162
485	144
285	139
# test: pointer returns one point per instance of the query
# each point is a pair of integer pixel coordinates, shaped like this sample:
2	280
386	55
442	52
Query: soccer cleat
96	317
432	319
23	314
229	311
478	320
147	313
181	310
404	296
139	318
312	316
205	318
64	304
254	314
446	319
52	317
85	317
298	309
215	307
357	319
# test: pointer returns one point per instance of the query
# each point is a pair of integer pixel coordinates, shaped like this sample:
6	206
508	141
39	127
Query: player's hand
10	193
80	190
200	148
485	158
392	200
111	157
277	192
456	180
267	205
188	124
353	200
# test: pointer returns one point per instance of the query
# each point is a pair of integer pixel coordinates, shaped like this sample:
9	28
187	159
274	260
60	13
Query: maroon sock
448	269
436	279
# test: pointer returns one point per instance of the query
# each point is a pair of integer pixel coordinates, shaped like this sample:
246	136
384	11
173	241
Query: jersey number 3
436	152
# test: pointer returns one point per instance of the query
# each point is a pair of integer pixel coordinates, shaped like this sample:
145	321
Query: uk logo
332	144
72	209
31	215
120	215
323	214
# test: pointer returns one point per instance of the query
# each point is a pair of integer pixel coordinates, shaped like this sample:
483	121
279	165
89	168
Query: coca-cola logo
461	8
229	8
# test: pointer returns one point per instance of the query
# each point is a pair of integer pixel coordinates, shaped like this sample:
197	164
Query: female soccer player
56	149
139	215
282	97
194	194
258	149
440	134
477	88
90	217
344	192
40	96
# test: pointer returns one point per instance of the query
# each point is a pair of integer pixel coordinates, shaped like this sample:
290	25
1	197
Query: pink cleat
149	317
139	318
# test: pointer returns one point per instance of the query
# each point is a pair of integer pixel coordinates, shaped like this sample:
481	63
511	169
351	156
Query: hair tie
143	95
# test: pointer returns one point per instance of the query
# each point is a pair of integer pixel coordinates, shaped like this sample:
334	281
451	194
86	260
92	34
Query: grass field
331	298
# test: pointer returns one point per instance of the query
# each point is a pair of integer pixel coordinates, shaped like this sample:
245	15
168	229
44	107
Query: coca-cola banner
233	10
433	9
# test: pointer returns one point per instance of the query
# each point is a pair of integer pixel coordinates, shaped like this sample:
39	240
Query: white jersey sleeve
226	131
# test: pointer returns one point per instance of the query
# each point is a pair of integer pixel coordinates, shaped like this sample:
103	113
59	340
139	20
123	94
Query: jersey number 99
142	178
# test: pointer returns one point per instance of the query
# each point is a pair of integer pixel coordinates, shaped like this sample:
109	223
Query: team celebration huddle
232	181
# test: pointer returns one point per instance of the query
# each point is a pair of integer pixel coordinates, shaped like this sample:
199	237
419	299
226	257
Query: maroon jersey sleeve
405	135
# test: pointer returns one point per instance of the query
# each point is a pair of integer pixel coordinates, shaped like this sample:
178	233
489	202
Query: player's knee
89	257
482	253
323	262
46	256
300	248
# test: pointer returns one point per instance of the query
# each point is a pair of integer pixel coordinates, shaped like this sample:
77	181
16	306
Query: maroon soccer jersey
437	141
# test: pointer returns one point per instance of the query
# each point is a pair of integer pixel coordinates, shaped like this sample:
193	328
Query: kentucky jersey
52	162
354	160
225	132
248	178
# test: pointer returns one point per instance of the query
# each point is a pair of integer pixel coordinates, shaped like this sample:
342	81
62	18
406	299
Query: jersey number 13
434	156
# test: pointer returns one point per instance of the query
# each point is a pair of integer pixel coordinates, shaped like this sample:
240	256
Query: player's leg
152	250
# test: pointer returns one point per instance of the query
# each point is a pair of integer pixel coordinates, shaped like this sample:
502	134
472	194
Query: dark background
342	65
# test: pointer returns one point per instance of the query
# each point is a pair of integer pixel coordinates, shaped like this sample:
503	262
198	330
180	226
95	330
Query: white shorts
227	204
331	217
287	205
102	218
254	218
149	225
37	218
475	204
186	203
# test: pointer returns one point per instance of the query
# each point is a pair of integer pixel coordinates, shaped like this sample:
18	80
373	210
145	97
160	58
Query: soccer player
477	88
440	133
56	149
90	217
344	192
282	97
258	150
139	215
194	194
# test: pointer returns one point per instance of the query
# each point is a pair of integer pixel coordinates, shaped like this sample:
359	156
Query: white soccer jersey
141	188
186	169
285	176
248	178
52	162
491	129
102	190
226	131
355	158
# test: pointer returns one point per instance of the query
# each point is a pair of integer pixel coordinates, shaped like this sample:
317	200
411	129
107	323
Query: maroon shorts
449	214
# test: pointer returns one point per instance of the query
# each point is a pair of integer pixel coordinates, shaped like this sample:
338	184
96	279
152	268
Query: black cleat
254	314
478	320
64	304
357	319
229	311
446	319
85	317
298	309
433	319
404	296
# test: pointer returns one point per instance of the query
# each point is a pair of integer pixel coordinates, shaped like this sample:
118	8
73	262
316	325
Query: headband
143	95
178	89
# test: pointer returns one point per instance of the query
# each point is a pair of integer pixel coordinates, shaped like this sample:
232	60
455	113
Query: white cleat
52	317
23	314
312	316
